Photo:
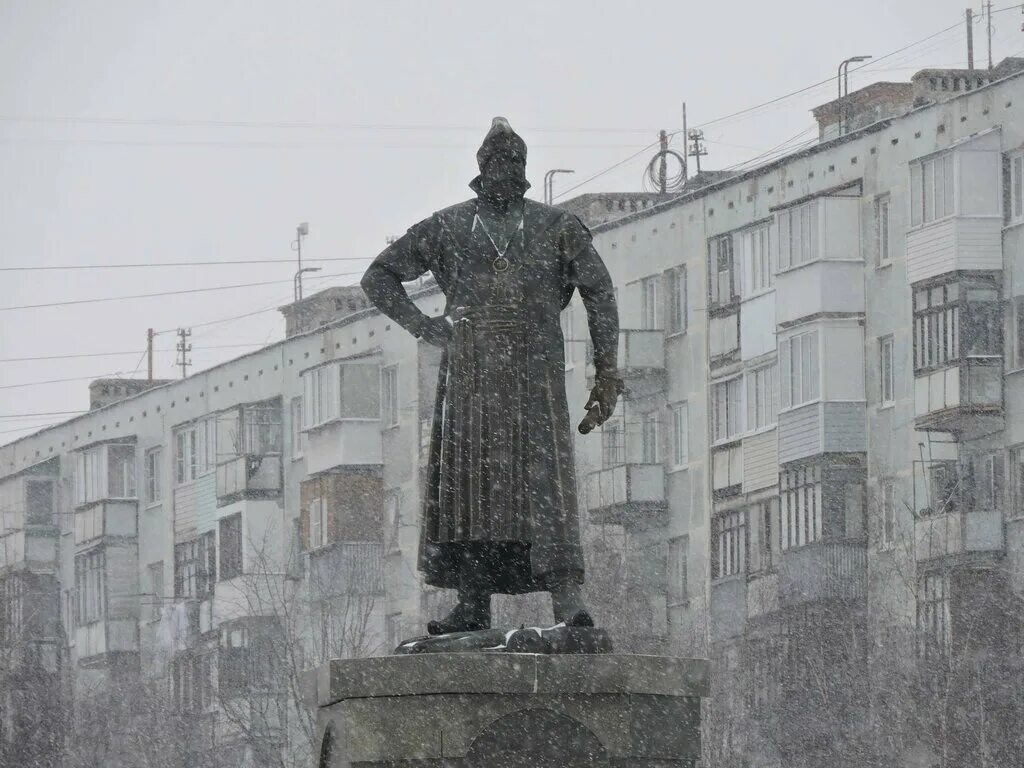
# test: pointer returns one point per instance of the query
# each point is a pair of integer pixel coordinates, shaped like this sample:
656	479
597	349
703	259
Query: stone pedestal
505	710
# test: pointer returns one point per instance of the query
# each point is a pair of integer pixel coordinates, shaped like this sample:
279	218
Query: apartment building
814	477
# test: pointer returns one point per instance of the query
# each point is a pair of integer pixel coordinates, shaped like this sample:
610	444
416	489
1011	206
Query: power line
33	415
175	123
60	381
606	170
177	264
125	353
160	293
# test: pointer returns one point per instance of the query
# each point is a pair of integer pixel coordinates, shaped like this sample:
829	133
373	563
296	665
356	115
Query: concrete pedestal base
508	710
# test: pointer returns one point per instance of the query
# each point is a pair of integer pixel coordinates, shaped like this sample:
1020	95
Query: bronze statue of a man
500	511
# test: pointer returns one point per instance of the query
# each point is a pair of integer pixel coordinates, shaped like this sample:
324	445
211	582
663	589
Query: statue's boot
567	604
471	614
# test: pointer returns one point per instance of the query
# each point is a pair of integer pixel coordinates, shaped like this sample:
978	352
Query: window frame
152	461
316	515
90	586
769	375
650	438
923	178
887	514
389	402
883	230
678	301
1015	481
731	428
722	248
801	513
1015	192
758	254
680	435
650	303
794	253
298	437
790	370
730	544
230	548
934	618
886	371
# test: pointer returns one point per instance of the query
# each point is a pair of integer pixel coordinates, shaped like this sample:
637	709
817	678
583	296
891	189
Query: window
230	546
319	398
1017	480
192	679
762	401
91	585
1017	188
887	386
931	189
680	435
317	523
956	320
888	513
649	317
1018	328
568	337
649	438
798	235
195	450
360	391
389	395
933	614
261	428
105	472
723	281
800	496
989	481
393	505
758	260
613	443
766	514
195	567
798	360
677	553
39	501
298	439
725	413
882	231
153	463
156	589
729	543
677	305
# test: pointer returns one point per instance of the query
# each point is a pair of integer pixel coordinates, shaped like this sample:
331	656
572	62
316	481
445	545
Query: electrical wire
159	293
117	354
227	263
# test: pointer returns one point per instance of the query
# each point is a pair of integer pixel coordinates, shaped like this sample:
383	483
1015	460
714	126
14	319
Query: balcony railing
945	399
626	493
824	570
959	533
348	568
249	476
640	352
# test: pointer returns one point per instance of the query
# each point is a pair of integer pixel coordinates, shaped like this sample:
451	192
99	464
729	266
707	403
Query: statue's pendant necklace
500	263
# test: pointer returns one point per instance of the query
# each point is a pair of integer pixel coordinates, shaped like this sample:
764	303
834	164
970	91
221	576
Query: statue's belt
500	316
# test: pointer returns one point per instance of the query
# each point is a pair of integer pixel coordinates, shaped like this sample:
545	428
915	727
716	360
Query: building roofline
741	176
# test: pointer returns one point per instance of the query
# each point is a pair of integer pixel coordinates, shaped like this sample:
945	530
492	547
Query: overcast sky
205	131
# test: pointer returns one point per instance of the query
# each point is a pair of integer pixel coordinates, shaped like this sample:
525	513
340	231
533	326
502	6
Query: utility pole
184	348
970	38
149	353
663	164
988	28
685	164
697	151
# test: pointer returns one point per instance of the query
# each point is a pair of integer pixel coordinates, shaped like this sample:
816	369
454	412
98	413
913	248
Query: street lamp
549	181
843	83
300	232
297	286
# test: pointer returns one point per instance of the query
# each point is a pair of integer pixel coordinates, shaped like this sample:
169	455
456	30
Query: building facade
815	477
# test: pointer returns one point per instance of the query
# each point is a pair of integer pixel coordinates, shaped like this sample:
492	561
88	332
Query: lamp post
549	180
843	84
300	232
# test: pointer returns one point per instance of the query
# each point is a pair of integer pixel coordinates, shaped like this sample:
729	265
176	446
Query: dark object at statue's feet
464	617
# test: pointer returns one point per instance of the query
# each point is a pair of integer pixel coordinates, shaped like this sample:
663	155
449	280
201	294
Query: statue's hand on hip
601	405
434	330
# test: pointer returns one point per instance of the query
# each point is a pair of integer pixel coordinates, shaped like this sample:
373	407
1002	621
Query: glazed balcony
950	399
641	358
823	570
348	567
626	493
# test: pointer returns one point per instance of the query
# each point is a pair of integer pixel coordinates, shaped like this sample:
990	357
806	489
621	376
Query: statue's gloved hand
434	330
601	405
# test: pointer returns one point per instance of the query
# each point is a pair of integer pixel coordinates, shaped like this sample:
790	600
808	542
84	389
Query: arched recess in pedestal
536	737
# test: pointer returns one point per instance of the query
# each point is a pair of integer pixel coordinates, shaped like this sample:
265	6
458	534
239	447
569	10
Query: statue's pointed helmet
501	140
